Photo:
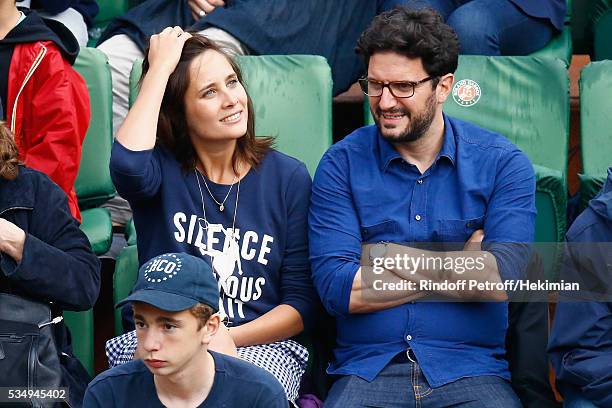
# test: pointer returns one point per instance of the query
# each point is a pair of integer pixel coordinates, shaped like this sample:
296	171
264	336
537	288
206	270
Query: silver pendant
221	207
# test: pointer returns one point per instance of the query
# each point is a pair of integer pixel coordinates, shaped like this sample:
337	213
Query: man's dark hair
414	34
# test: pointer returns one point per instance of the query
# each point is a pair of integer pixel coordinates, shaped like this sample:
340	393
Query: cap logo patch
162	268
466	92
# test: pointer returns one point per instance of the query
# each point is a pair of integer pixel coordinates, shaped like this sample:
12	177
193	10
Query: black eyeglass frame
363	84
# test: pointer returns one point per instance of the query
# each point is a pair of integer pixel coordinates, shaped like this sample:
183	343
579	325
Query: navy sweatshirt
271	225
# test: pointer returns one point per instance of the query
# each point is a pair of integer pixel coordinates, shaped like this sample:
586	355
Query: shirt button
420	181
408	337
417	217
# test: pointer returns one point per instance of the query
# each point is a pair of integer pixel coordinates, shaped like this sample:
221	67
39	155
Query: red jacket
48	112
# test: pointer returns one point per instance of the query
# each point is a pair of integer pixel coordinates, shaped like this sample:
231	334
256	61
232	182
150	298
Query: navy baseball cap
175	282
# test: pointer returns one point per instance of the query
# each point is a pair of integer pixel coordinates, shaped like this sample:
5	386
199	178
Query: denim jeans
572	399
491	27
401	384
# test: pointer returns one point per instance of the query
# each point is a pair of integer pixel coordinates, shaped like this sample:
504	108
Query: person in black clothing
44	256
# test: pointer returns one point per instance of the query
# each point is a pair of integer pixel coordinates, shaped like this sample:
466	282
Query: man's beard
417	125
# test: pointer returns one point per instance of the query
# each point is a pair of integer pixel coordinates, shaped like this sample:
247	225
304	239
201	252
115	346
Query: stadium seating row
524	98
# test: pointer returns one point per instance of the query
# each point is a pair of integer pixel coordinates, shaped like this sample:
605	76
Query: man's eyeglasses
399	89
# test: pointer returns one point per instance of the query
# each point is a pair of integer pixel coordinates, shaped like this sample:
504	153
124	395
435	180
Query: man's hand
12	239
473	243
200	8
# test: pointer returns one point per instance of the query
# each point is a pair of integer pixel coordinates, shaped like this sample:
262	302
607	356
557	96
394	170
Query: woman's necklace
221	206
222	203
223	263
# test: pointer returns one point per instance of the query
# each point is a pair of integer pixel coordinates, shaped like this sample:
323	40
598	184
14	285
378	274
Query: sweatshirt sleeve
297	289
136	174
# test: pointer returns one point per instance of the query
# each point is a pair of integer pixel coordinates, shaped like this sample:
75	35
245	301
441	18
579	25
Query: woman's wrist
234	333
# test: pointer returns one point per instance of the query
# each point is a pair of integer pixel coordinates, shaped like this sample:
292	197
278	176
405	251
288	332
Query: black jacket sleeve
58	264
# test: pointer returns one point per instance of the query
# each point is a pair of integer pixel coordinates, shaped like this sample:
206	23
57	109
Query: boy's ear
211	327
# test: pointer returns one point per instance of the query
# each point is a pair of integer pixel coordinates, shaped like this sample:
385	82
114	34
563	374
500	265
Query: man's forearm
371	293
417	265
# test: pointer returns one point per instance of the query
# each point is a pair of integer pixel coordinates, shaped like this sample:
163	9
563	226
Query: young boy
175	301
44	101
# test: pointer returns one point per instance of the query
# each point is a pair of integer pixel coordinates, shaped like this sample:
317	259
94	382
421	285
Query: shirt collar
388	153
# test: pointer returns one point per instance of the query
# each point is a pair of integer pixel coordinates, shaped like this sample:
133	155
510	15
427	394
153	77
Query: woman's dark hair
9	162
414	34
172	131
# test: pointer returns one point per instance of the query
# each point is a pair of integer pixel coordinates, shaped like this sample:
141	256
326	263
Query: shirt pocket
383	231
458	231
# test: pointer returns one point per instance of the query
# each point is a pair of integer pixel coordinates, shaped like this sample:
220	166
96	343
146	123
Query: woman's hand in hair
165	49
12	239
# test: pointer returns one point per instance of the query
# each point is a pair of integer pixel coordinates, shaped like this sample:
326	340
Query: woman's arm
298	299
139	129
280	323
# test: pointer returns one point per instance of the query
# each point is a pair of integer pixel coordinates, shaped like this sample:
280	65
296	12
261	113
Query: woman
187	160
44	256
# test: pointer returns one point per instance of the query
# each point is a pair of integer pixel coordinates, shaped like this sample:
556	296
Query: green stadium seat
81	326
126	273
130	233
525	99
93	184
602	30
595	130
110	9
559	47
92	187
292	98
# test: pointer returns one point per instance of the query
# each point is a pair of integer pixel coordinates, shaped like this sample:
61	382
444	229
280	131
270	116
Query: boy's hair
9	161
414	34
201	312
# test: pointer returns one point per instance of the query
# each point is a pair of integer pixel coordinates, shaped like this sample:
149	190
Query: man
418	176
582	332
175	302
44	100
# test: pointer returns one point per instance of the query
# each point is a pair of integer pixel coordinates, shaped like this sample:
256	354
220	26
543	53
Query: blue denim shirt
364	191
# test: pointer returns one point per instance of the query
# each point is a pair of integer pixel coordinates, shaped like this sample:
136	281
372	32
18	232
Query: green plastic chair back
595	130
93	184
602	30
81	326
292	95
525	99
110	9
126	273
130	232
